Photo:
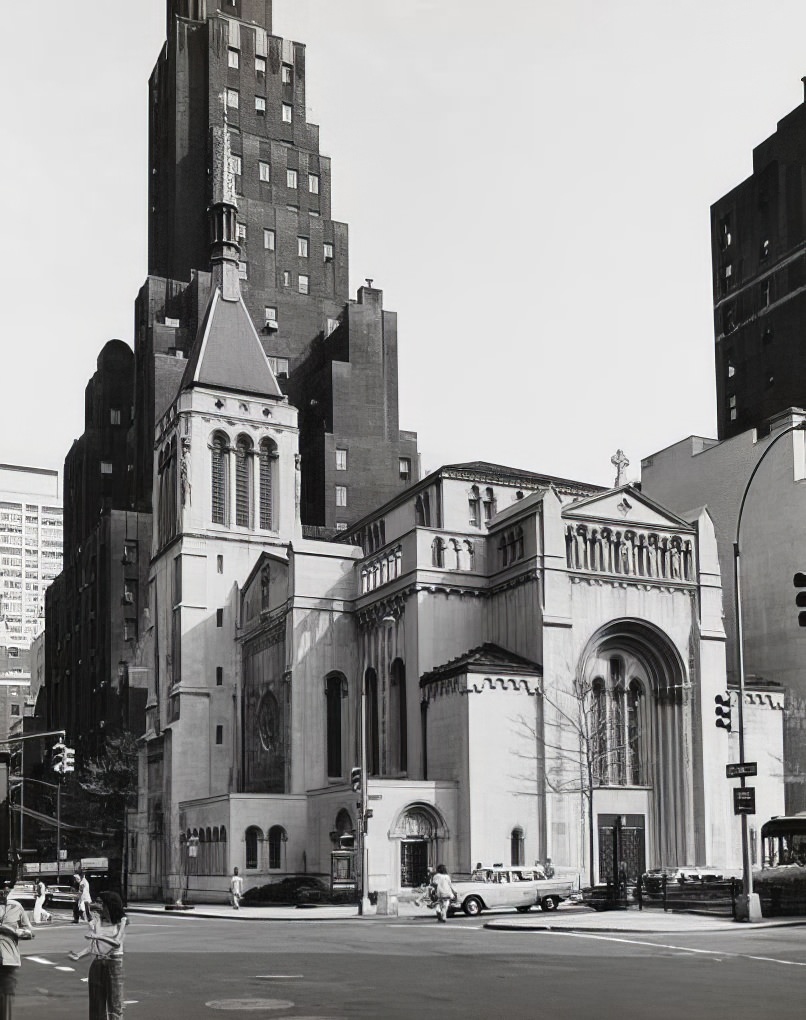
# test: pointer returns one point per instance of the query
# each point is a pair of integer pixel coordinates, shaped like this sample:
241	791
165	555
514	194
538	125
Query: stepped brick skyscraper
336	359
758	255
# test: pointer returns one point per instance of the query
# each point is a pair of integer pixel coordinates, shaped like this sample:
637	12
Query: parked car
521	888
61	896
292	889
652	881
24	893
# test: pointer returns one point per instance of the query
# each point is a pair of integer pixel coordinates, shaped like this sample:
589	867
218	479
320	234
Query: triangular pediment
625	506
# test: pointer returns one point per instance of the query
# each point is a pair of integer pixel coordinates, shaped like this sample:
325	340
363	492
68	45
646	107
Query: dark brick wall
758	230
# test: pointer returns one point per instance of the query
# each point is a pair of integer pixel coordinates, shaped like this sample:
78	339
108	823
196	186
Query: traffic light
69	760
57	757
722	711
799	581
355	779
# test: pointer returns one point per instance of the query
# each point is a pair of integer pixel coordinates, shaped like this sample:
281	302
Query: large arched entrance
638	745
420	830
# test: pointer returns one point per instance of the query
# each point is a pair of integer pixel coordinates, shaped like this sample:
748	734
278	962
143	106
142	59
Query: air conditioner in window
272	325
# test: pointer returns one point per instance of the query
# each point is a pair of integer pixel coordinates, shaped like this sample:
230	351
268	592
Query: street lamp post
749	906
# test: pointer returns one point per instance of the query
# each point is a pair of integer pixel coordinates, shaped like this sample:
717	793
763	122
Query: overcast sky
528	181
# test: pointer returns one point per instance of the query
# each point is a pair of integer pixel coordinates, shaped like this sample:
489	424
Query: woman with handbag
12	919
107	931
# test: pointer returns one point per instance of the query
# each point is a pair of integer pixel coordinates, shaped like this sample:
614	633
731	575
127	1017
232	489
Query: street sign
747	768
744	800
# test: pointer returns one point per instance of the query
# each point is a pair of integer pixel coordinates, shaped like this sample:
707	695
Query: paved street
181	967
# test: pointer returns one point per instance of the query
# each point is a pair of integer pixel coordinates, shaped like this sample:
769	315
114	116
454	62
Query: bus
783	841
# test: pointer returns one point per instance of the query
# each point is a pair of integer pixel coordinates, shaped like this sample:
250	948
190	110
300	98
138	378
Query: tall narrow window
277	836
252	837
268	236
516	852
371	723
243	482
634	765
219	473
333	693
291	178
474	506
268	456
398	713
489	504
597	737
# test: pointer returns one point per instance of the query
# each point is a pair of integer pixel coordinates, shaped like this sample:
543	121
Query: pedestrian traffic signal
57	757
722	711
355	779
799	581
69	759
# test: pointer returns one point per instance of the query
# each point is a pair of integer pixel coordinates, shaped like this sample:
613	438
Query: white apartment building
30	548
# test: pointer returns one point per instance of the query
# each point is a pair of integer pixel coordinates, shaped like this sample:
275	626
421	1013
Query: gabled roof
628	504
485	658
227	353
505	475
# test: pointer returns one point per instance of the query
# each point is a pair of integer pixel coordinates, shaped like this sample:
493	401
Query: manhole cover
249	1004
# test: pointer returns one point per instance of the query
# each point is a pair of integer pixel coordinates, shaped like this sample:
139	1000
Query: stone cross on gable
620	463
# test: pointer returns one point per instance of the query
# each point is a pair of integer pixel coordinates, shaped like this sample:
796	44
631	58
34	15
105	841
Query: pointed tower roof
228	354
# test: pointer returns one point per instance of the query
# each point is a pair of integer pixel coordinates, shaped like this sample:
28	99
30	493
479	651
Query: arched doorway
638	743
420	830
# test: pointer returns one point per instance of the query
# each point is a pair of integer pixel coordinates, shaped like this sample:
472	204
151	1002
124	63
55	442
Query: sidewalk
569	917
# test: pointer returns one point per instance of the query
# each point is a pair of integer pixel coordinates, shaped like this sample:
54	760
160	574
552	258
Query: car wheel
524	910
472	906
550	903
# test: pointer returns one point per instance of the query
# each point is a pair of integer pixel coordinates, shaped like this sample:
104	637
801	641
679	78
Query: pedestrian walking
76	909
107	933
13	919
235	889
84	898
41	916
444	892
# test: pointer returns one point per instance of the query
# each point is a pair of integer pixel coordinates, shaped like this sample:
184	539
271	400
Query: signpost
744	768
744	800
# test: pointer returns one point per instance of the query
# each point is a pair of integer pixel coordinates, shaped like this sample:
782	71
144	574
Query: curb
588	930
235	916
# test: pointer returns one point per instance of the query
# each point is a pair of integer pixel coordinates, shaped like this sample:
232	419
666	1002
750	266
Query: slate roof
486	658
227	353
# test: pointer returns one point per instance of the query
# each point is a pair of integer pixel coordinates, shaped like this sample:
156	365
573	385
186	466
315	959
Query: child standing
107	931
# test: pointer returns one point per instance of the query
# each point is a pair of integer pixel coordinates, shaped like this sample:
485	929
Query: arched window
438	552
335	686
398	725
516	852
489	504
219	466
598	733
519	543
268	459
419	512
371	722
243	482
474	506
277	836
634	763
252	837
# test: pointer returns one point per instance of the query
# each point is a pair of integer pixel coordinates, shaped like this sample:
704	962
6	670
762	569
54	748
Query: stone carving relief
629	553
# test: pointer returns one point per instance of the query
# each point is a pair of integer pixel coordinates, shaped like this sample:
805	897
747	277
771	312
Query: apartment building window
332	326
234	58
219	734
765	248
260	106
270	314
237	165
732	407
341	460
219	676
233	98
243	271
240	232
341	495
302	247
731	370
327	251
287	113
264	172
341	525
725	236
313	184
260	67
220	564
291	178
764	291
287	74
106	467
286	278
269	241
114	416
279	366
304	284
405	468
219	617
